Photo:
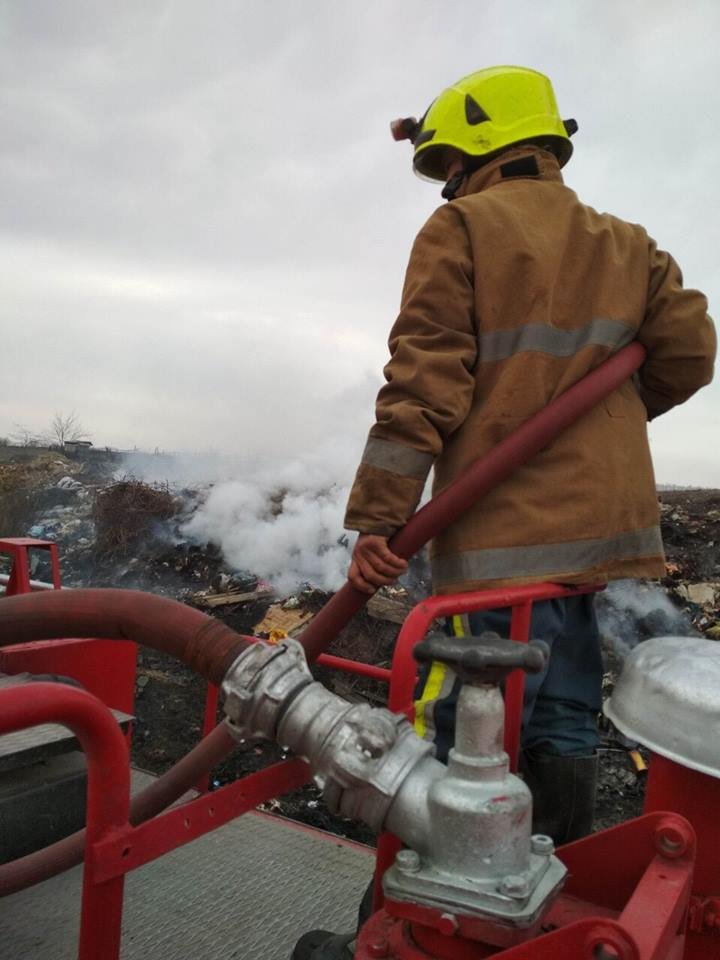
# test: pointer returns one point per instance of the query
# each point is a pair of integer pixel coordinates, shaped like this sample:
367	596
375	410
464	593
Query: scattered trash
703	594
67	483
226	599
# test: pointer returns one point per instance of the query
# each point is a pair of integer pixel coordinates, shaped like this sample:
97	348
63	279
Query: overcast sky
205	222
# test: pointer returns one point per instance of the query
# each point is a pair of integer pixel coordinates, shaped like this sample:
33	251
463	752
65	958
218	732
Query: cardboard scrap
277	620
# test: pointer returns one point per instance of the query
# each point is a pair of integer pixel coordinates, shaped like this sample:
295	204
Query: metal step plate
244	892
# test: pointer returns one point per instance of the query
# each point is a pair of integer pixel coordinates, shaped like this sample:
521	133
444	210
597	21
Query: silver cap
668	698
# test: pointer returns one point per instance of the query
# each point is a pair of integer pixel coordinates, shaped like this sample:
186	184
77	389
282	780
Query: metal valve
488	658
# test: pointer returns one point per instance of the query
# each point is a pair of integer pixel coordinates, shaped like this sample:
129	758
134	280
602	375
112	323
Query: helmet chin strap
453	185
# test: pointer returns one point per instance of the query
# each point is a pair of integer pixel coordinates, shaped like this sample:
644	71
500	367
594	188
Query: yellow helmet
484	113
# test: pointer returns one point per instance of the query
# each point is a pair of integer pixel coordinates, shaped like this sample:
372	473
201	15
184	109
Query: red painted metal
355	666
19	549
106	668
696	796
212	696
531	437
108	794
211	708
515	684
626	898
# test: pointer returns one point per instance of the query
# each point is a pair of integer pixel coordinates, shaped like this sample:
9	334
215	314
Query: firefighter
514	291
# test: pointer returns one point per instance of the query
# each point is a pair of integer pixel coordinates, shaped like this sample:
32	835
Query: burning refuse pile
126	515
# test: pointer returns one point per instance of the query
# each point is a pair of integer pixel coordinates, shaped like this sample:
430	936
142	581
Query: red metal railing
619	872
108	794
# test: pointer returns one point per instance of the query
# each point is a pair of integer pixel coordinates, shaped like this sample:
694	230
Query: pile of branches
127	515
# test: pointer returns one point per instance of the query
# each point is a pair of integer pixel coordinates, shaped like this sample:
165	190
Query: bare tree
25	437
67	428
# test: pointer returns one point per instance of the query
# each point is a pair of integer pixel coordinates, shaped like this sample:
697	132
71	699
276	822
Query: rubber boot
324	945
563	791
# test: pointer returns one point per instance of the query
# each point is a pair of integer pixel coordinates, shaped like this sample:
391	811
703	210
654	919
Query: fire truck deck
245	891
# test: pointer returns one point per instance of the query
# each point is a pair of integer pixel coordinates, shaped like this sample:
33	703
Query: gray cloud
205	223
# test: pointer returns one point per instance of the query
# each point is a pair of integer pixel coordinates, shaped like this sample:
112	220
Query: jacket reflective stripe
541	337
397	458
544	559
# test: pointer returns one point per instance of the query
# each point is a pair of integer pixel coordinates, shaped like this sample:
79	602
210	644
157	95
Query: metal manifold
466	827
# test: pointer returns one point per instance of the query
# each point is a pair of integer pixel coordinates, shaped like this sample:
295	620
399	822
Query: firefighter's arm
678	335
430	380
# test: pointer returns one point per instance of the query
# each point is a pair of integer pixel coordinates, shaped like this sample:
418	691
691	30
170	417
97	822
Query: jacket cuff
381	502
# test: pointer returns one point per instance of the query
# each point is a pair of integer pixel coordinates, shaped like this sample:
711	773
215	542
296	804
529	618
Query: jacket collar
519	163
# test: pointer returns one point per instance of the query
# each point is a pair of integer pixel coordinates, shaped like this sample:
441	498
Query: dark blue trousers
561	704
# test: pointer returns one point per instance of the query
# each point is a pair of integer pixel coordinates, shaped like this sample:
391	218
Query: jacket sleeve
430	380
678	335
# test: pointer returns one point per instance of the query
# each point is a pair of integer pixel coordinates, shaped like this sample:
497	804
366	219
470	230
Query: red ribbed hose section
206	645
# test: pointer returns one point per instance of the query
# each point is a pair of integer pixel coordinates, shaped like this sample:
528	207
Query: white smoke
630	611
284	522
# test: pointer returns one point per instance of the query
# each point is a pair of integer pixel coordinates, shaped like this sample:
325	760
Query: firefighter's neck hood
526	162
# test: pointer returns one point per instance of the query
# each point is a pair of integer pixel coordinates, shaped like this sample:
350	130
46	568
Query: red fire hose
206	645
479	479
209	647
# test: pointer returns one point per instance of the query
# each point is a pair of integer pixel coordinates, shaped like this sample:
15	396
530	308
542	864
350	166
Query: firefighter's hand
373	564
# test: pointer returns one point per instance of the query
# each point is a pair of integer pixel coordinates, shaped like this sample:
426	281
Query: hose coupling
259	685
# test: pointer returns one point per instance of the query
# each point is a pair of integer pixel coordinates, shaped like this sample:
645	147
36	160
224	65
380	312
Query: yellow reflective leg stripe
431	691
433	686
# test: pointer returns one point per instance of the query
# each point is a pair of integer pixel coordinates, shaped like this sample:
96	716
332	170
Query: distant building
74	447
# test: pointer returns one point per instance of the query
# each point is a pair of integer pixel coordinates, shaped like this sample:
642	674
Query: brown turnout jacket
515	290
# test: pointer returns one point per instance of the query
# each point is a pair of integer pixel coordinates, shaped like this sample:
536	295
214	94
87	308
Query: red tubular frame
108	794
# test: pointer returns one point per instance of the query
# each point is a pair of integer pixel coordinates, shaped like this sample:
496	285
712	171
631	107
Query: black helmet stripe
474	113
424	137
